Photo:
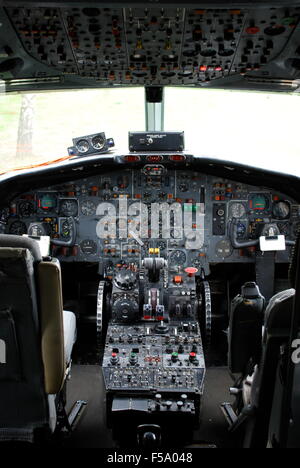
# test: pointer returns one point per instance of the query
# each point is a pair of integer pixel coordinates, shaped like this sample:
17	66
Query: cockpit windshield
253	128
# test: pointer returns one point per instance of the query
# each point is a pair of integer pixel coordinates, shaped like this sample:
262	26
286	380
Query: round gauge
88	208
178	258
223	249
83	146
88	247
47	202
183	187
162	245
98	142
26	209
18	228
259	202
65	229
36	230
281	210
69	208
237	210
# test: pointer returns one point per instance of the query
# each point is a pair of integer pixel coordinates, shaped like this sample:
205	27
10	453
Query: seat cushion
69	333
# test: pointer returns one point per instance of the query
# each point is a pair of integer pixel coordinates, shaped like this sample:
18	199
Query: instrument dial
178	258
26	209
281	210
98	142
88	208
224	249
65	230
88	247
83	146
18	228
237	210
36	230
69	208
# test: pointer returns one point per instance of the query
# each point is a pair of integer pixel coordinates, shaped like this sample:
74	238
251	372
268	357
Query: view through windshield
254	128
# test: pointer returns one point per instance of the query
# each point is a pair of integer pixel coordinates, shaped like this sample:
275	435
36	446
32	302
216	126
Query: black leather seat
36	338
258	390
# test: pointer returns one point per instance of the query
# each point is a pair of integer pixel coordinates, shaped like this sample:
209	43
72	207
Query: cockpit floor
91	432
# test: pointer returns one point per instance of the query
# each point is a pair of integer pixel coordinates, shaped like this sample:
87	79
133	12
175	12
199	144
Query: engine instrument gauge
177	258
162	245
37	230
183	187
65	229
88	247
69	207
224	249
237	210
281	210
18	228
83	146
88	208
26	209
98	142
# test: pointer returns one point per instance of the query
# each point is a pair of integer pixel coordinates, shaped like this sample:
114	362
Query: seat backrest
277	328
32	363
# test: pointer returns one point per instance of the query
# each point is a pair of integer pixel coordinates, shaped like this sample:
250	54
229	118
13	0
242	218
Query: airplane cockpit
149	287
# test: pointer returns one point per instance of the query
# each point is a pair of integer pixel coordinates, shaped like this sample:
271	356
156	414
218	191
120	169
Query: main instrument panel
119	217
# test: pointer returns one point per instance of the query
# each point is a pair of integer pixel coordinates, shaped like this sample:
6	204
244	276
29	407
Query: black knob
114	359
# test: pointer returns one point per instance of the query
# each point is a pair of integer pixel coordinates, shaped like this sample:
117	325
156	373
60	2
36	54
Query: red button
191	271
252	30
177	279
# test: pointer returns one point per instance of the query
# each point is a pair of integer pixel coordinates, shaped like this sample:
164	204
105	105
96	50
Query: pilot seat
36	341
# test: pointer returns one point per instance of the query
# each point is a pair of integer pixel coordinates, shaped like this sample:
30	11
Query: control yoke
236	244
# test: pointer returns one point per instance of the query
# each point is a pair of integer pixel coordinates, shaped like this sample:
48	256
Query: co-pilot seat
258	388
36	341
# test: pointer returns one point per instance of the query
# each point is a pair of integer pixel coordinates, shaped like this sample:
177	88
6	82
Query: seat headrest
12	241
293	265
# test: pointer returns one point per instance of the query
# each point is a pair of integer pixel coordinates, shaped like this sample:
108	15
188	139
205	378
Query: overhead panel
157	46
